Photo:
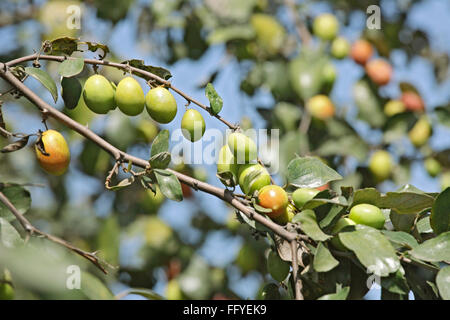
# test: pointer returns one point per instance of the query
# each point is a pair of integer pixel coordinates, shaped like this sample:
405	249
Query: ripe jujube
275	198
56	158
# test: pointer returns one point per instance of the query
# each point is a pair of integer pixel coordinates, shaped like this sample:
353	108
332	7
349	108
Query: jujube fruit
361	51
379	71
340	48
275	198
420	132
248	185
393	107
129	96
278	268
368	215
320	106
270	34
99	94
412	101
340	224
286	216
380	164
243	148
192	125
326	26
161	105
432	166
55	146
303	195
227	162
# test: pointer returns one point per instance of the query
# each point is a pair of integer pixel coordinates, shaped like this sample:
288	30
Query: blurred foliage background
197	249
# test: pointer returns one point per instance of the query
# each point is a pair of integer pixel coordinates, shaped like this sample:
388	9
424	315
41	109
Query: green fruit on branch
413	101
275	198
99	94
380	165
445	180
247	259
278	268
243	148
432	166
340	224
129	97
368	215
148	129
252	177
321	107
269	292
379	71
340	48
192	125
326	26
361	51
270	34
286	216
226	162
161	105
393	107
303	195
420	133
56	158
328	75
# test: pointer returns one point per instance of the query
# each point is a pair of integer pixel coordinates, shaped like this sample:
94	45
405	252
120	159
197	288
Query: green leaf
146	293
402	222
423	225
323	259
140	64
435	249
309	172
314	203
108	240
396	283
18	196
93	288
71	90
160	143
215	101
443	115
169	184
44	78
160	160
71	67
368	195
406	202
63	45
401	238
443	282
440	213
372	248
94	46
341	294
369	107
351	145
252	223
308	223
9	236
122	184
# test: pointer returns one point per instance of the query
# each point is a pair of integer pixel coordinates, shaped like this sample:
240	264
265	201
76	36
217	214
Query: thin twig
297	281
33	231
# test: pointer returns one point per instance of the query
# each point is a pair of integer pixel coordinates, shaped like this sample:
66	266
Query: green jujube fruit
161	105
98	94
129	97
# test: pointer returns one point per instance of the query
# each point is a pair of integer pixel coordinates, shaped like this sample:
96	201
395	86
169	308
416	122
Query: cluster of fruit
101	96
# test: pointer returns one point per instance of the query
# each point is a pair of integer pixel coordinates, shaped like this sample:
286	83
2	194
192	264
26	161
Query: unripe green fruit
173	290
98	94
243	148
278	268
286	216
393	107
326	26
193	125
340	224
161	105
340	47
249	187
270	34
247	259
380	165
129	97
303	195
445	180
368	215
227	162
433	167
6	291
329	73
420	133
269	292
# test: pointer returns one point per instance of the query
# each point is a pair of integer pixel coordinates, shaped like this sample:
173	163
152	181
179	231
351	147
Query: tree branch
223	194
32	230
297	281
